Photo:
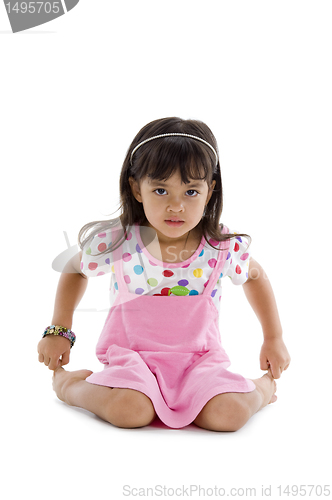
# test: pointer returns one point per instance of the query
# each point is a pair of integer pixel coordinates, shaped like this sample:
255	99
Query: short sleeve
93	264
237	263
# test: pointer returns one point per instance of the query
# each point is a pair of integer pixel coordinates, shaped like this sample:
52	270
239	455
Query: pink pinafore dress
167	347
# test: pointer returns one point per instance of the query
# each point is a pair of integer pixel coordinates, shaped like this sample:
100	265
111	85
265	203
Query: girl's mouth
174	223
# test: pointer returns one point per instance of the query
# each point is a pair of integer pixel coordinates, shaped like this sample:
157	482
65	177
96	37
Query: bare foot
266	386
63	379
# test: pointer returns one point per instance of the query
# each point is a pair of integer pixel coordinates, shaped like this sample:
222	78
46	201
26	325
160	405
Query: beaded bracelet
60	330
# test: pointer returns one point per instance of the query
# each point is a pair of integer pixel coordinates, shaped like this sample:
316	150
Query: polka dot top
144	274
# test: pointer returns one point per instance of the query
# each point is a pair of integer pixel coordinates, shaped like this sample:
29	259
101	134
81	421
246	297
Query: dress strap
117	259
222	256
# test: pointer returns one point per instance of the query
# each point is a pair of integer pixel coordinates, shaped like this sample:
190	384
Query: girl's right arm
54	350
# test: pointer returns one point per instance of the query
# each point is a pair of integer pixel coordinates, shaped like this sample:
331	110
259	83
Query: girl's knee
129	409
226	414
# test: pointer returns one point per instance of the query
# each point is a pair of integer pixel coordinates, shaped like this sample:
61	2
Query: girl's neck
192	235
184	247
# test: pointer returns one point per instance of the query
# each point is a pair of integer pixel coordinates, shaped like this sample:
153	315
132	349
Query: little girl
168	255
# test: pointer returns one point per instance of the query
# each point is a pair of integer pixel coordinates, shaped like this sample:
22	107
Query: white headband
172	134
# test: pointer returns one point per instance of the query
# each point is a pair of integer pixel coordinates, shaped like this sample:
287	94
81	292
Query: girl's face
163	201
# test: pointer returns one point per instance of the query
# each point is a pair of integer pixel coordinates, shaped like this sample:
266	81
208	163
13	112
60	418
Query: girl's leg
121	407
230	411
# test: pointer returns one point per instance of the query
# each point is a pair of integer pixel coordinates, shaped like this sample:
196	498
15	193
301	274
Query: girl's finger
65	358
41	357
264	364
276	372
53	363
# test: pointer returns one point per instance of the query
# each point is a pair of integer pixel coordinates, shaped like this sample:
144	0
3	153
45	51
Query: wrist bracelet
60	330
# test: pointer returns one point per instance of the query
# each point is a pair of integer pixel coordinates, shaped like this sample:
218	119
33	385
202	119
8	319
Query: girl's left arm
260	296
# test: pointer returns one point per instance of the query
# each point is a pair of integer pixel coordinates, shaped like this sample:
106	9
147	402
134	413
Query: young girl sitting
167	254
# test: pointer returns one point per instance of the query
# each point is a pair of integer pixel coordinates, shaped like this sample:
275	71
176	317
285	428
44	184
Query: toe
58	369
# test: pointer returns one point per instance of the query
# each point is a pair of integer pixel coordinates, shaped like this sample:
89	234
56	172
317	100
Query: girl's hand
51	348
274	355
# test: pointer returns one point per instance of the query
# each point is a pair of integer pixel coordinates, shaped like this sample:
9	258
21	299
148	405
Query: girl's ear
210	192
135	189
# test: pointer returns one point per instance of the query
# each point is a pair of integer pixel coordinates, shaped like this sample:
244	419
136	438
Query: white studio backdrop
74	93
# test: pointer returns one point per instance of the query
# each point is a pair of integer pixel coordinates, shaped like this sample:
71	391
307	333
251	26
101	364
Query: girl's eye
193	191
189	191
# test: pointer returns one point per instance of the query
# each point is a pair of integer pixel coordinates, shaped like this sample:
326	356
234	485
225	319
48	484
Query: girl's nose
175	205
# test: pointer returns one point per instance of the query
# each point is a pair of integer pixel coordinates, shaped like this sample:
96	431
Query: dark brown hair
160	159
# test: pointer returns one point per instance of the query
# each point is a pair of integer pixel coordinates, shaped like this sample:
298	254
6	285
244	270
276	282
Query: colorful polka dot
167	273
152	282
215	243
183	282
107	261
126	257
165	291
244	256
213	293
139	291
102	235
212	262
88	251
102	247
198	273
127	279
228	256
193	292
92	266
138	269
236	247
129	236
138	248
202	253
112	269
180	290
116	286
238	269
239	238
101	273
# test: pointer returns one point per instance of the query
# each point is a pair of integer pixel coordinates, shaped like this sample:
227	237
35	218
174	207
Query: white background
74	92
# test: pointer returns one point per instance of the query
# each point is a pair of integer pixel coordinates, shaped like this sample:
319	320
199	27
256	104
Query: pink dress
179	365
